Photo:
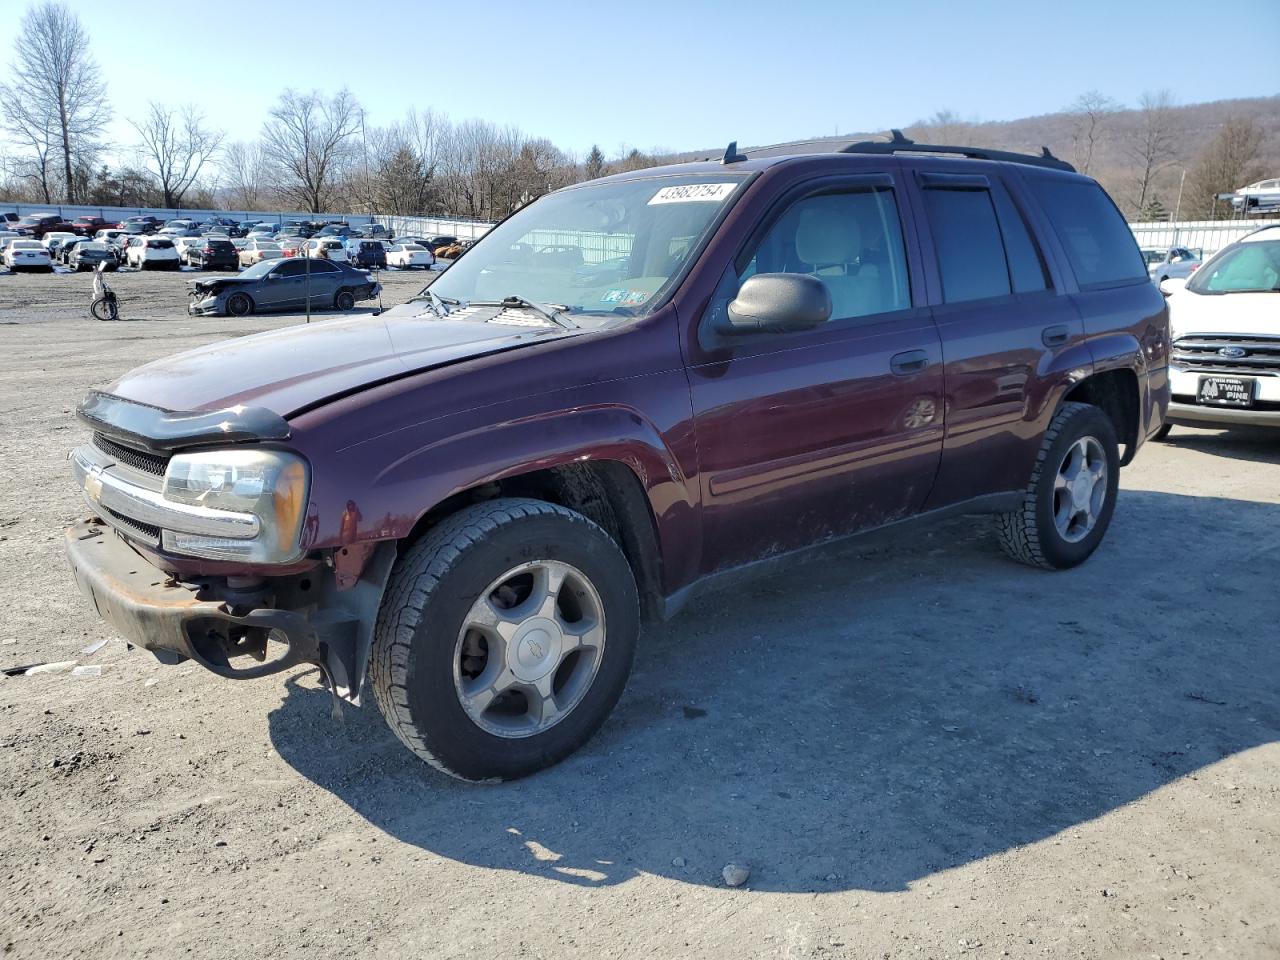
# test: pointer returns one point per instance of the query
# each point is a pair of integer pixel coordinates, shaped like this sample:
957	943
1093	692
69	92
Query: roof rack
900	144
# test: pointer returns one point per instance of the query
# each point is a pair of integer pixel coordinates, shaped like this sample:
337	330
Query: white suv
1225	324
155	252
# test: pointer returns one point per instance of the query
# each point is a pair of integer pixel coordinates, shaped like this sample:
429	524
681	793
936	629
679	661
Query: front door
806	436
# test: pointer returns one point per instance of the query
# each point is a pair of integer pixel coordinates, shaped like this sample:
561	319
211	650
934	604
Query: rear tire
345	300
239	305
1071	496
435	668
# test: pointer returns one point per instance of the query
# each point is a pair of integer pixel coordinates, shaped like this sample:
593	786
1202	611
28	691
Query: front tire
504	639
1072	493
239	305
1163	433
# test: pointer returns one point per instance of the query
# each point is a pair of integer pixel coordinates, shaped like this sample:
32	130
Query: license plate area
1226	391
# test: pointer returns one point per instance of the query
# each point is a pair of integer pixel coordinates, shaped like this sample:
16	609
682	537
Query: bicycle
104	305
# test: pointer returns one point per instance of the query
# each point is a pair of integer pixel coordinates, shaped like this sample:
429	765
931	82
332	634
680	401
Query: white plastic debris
94	670
61	667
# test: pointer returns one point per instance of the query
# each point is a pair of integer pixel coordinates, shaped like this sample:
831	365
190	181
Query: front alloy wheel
505	637
529	649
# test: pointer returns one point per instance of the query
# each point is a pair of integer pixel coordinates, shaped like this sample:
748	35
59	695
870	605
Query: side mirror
778	303
1171	285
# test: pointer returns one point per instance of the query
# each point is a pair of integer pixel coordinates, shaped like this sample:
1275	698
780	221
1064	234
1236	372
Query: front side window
606	247
851	240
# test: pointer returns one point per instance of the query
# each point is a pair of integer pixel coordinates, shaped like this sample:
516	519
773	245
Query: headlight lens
270	484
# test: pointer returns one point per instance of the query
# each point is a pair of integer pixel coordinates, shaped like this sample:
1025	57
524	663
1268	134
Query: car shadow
864	719
1257	444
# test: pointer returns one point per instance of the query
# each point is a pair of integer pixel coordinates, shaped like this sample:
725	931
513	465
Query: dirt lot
920	749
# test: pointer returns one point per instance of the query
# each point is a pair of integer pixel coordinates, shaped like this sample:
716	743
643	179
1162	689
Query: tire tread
410	592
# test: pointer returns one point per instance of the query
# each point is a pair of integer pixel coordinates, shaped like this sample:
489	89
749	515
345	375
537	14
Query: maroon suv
475	498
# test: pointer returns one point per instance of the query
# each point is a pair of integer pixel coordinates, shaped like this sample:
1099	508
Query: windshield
1248	267
603	248
260	269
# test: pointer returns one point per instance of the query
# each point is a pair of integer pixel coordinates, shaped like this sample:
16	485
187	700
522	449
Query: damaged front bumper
202	306
242	632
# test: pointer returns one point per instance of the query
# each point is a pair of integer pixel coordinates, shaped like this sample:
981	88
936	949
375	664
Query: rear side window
966	238
1099	245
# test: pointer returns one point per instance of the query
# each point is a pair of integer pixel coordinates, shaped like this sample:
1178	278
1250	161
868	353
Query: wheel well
606	492
1115	393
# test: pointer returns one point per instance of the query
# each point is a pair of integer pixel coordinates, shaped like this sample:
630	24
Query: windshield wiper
439	305
548	311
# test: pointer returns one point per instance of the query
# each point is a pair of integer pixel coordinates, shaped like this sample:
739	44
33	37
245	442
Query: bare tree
1090	115
308	142
36	138
245	170
56	102
177	146
1231	160
1151	145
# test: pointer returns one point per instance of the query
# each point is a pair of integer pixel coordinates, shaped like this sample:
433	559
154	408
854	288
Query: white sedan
259	249
52	241
26	255
406	255
184	244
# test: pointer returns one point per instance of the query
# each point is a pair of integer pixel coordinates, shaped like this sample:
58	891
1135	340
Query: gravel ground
918	748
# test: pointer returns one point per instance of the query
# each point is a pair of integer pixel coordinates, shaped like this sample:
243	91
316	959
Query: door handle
1055	336
913	361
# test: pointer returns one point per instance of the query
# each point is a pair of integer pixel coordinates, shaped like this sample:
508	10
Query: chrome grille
152	463
144	531
1258	355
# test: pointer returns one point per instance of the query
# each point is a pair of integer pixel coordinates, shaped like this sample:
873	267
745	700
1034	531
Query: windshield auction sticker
693	193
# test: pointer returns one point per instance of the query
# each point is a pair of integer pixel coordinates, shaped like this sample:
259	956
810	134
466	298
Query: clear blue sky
685	75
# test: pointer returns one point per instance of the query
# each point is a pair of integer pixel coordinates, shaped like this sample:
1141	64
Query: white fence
1209	235
435	227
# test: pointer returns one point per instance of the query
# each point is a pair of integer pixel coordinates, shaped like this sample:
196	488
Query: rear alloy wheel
1072	494
504	639
239	305
345	300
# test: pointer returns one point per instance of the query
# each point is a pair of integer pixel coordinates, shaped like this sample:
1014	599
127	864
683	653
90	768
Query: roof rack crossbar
900	144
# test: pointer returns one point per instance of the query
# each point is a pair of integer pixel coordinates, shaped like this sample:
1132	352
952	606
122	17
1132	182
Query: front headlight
270	484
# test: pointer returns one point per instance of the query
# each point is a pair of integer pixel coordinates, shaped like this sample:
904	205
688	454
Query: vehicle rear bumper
1200	415
180	621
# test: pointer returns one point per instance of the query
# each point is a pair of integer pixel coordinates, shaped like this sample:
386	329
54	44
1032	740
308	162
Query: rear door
1002	322
323	282
811	435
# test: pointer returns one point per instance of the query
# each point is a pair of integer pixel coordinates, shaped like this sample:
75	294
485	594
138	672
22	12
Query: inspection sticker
693	193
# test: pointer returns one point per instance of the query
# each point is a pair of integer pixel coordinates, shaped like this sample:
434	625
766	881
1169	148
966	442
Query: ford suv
472	501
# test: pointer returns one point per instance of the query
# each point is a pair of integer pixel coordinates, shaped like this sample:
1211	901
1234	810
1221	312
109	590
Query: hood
299	367
1252	314
213	284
